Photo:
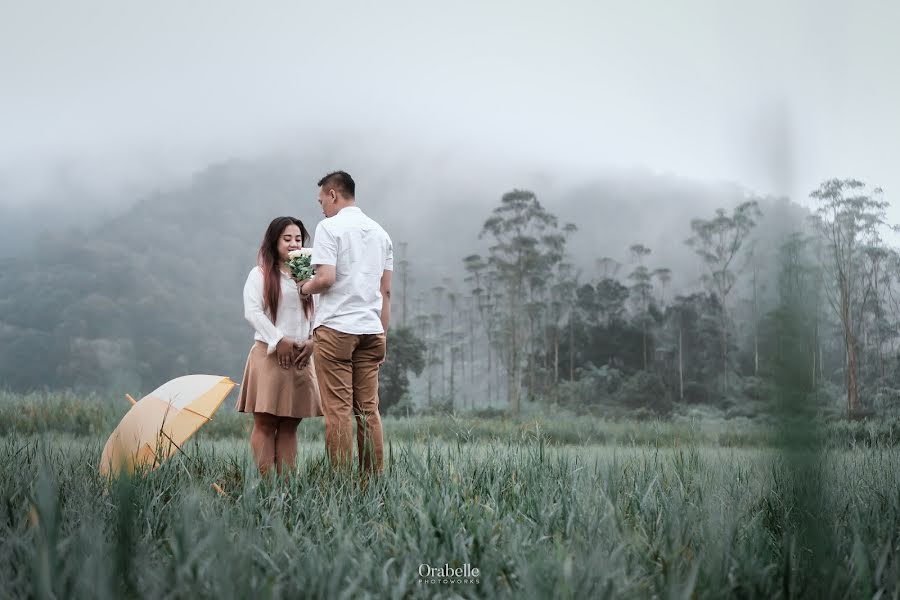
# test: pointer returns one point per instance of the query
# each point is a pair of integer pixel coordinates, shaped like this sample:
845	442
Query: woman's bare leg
286	443
262	440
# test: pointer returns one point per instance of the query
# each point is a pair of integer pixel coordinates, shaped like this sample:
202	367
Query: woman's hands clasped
284	352
304	352
291	352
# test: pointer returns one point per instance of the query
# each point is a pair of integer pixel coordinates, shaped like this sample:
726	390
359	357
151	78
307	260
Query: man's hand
385	285
304	351
300	285
284	352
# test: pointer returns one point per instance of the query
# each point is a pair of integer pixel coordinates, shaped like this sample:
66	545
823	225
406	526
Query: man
354	259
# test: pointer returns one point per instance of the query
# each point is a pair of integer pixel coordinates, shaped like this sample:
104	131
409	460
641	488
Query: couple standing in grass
320	342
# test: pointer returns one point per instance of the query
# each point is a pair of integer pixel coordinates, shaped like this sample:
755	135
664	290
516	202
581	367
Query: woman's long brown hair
268	262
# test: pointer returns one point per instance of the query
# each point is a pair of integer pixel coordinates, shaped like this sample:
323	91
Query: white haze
115	97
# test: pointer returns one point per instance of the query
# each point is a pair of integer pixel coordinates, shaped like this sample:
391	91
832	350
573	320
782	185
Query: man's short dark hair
340	182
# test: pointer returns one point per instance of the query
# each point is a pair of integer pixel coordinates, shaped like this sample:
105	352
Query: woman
279	385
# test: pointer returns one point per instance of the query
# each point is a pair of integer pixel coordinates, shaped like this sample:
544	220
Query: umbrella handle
130	399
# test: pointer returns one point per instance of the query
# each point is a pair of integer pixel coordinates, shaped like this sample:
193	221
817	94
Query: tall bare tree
641	292
528	245
848	219
719	241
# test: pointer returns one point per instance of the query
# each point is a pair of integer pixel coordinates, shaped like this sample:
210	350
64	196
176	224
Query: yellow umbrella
157	426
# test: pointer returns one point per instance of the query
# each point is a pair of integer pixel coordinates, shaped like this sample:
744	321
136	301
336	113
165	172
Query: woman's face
291	239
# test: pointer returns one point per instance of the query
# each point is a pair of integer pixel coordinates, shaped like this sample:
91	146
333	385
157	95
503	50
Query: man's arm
321	281
324	259
386	299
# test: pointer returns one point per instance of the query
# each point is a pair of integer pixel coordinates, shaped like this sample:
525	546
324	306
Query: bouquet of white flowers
299	264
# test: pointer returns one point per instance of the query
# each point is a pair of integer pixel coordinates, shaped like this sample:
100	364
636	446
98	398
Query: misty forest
513	306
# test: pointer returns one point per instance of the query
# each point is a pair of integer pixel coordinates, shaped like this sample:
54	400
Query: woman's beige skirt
282	392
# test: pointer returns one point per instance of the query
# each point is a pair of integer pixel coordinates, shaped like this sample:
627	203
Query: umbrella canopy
157	425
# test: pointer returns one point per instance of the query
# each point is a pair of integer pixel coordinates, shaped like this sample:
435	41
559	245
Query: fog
114	98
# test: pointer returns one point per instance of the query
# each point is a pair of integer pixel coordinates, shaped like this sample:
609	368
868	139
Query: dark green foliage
692	328
405	355
645	390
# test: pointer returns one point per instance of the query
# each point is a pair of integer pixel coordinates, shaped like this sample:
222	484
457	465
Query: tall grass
537	520
96	415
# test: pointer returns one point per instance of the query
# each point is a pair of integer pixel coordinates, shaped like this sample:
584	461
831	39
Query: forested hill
156	291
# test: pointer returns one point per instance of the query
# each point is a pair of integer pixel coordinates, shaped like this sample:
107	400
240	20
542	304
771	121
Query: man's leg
334	371
369	440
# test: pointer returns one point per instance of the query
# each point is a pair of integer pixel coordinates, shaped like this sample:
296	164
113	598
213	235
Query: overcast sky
772	97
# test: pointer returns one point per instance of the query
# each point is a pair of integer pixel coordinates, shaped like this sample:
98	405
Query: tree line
521	323
527	315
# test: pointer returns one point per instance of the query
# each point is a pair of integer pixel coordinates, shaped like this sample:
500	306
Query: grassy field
95	416
638	510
